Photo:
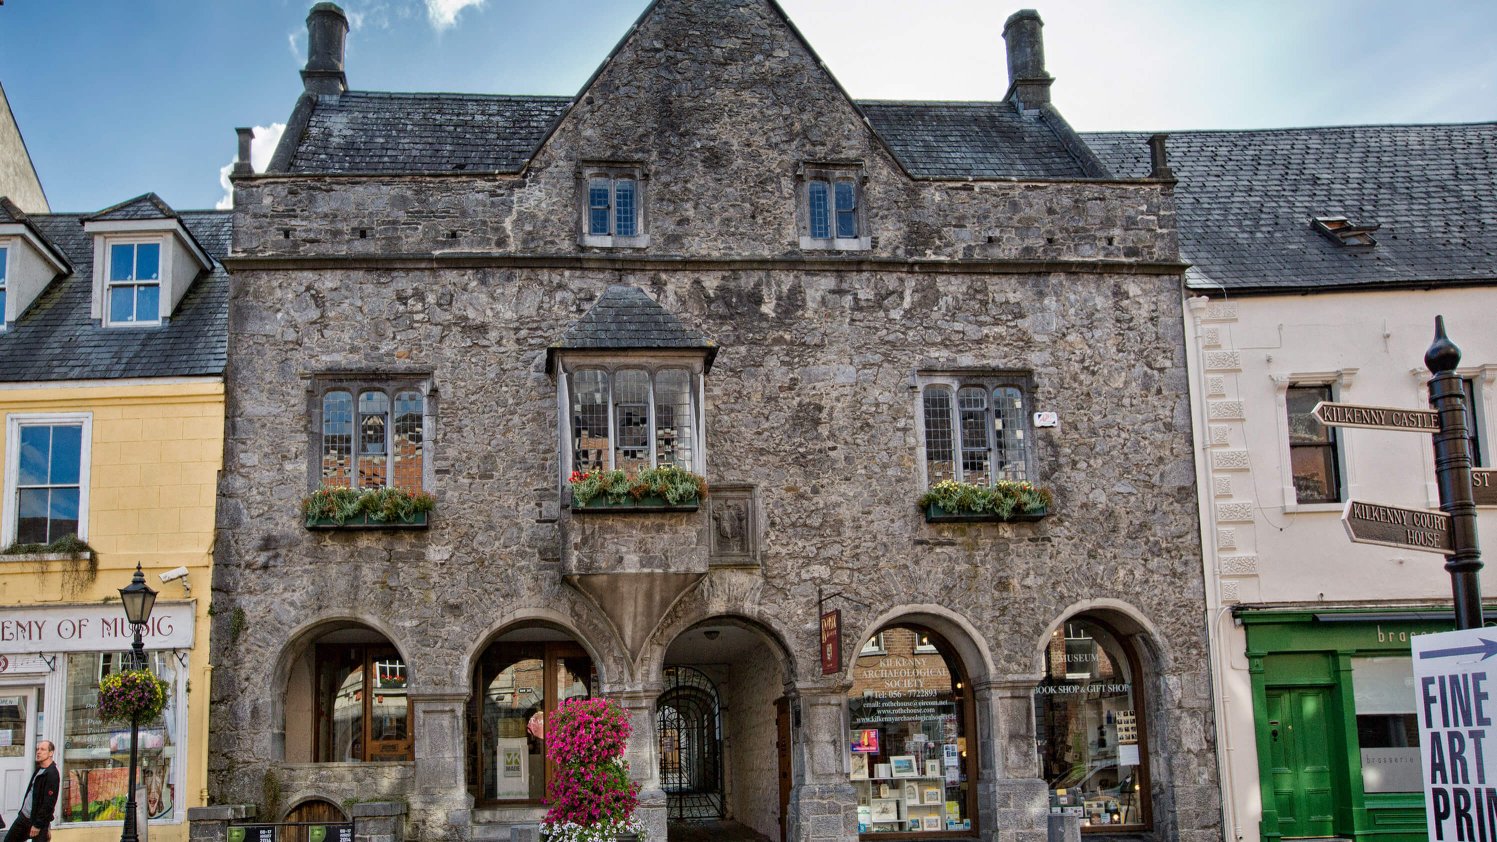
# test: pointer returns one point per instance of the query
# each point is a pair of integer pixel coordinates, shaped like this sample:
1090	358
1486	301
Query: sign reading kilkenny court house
1391	526
1376	417
1455	702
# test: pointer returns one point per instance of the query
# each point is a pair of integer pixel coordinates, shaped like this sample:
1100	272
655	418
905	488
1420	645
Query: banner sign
1455	701
92	628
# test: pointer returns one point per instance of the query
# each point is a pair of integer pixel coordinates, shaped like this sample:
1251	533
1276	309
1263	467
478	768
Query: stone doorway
720	746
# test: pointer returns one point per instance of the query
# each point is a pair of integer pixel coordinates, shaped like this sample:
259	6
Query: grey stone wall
812	400
750	726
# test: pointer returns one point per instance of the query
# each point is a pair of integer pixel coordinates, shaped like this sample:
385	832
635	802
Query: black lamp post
138	599
1453	473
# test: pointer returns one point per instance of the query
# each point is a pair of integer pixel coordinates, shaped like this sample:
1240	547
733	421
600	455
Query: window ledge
935	514
18	557
610	241
835	244
417	521
1310	508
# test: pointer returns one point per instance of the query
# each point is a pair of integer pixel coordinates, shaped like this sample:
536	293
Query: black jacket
46	782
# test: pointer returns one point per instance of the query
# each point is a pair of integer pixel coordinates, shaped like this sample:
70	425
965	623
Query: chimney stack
1159	161
242	165
1028	83
327	27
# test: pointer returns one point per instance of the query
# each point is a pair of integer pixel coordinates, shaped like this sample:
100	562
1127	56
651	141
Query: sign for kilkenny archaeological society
1455	701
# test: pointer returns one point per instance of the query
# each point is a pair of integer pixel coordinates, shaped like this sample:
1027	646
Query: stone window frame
1336	382
653	362
832	172
9	512
988	379
356	383
613	171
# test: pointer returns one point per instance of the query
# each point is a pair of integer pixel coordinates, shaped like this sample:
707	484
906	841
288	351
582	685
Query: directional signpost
1455	701
1484	486
1376	417
1390	526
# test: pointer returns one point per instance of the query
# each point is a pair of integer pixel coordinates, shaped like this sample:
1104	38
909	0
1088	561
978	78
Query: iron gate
690	729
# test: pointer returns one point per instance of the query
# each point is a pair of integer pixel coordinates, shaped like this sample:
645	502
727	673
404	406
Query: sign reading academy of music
92	628
1455	700
1391	526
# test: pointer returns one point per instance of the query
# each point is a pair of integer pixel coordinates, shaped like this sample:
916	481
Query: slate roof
148	206
369	132
959	140
626	318
1245	200
55	340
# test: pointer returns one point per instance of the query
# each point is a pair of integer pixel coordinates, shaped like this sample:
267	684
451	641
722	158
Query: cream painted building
1320	260
111	411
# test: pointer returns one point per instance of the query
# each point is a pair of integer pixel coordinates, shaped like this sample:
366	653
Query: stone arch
1121	615
969	644
293	656
652	661
609	659
309	807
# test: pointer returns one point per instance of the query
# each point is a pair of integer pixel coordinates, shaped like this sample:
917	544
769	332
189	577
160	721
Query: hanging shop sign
831	642
92	628
1391	526
1455	702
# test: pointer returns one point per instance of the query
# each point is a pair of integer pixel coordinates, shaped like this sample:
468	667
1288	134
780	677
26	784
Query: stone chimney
327	27
1028	83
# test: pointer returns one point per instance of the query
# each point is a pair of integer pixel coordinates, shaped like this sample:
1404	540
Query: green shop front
1333	709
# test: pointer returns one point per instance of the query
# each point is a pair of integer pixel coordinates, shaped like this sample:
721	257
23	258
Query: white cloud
261	150
443	13
293	42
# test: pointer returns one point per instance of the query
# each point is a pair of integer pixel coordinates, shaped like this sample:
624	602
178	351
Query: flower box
416	521
647	503
935	514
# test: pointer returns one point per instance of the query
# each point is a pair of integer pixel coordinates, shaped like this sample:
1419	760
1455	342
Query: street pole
1453	474
130	834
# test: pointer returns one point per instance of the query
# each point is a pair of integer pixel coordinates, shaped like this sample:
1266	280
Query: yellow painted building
112	417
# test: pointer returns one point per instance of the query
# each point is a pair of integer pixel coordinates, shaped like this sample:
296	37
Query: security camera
173	575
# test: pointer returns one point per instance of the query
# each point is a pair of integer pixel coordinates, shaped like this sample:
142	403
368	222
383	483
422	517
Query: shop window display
95	755
1090	729
522	683
910	711
363	714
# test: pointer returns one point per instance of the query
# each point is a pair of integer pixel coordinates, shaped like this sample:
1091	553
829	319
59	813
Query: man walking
37	805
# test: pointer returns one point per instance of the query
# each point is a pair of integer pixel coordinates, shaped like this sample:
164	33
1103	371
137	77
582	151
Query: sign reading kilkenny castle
1376	417
1391	526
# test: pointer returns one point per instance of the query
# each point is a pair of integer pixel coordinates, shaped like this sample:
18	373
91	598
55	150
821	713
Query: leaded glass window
633	418
364	445
820	202
830	204
847	209
982	436
134	294
614	203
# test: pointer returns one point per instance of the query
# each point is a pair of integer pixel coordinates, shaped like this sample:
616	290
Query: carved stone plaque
733	524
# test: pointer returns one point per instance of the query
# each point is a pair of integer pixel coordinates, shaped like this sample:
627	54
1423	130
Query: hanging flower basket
131	694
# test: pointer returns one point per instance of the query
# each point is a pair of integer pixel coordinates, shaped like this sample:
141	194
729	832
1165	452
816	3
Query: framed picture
860	767
930	823
881	770
885	791
903	766
884	810
911	793
914	825
865	741
933	768
934	795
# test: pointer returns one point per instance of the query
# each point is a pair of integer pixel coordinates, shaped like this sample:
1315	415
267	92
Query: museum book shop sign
1455	697
91	628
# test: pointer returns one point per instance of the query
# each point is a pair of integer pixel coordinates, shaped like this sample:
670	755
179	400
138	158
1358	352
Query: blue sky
117	98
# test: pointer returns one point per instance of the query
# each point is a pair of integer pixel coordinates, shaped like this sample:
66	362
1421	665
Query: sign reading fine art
92	628
1455	701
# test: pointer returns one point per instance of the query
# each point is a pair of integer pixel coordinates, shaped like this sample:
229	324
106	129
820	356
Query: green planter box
648	503
416	521
935	514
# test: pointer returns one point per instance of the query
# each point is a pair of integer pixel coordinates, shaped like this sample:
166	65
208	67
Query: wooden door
1300	759
782	751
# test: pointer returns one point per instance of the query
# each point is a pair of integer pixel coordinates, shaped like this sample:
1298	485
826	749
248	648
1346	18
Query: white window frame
613	172
652	364
13	424
162	257
832	172
1338	381
988	380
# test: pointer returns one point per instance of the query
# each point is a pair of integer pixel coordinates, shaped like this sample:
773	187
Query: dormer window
28	262
134	295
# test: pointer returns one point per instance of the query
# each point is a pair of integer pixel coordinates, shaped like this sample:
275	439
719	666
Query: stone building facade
711	216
